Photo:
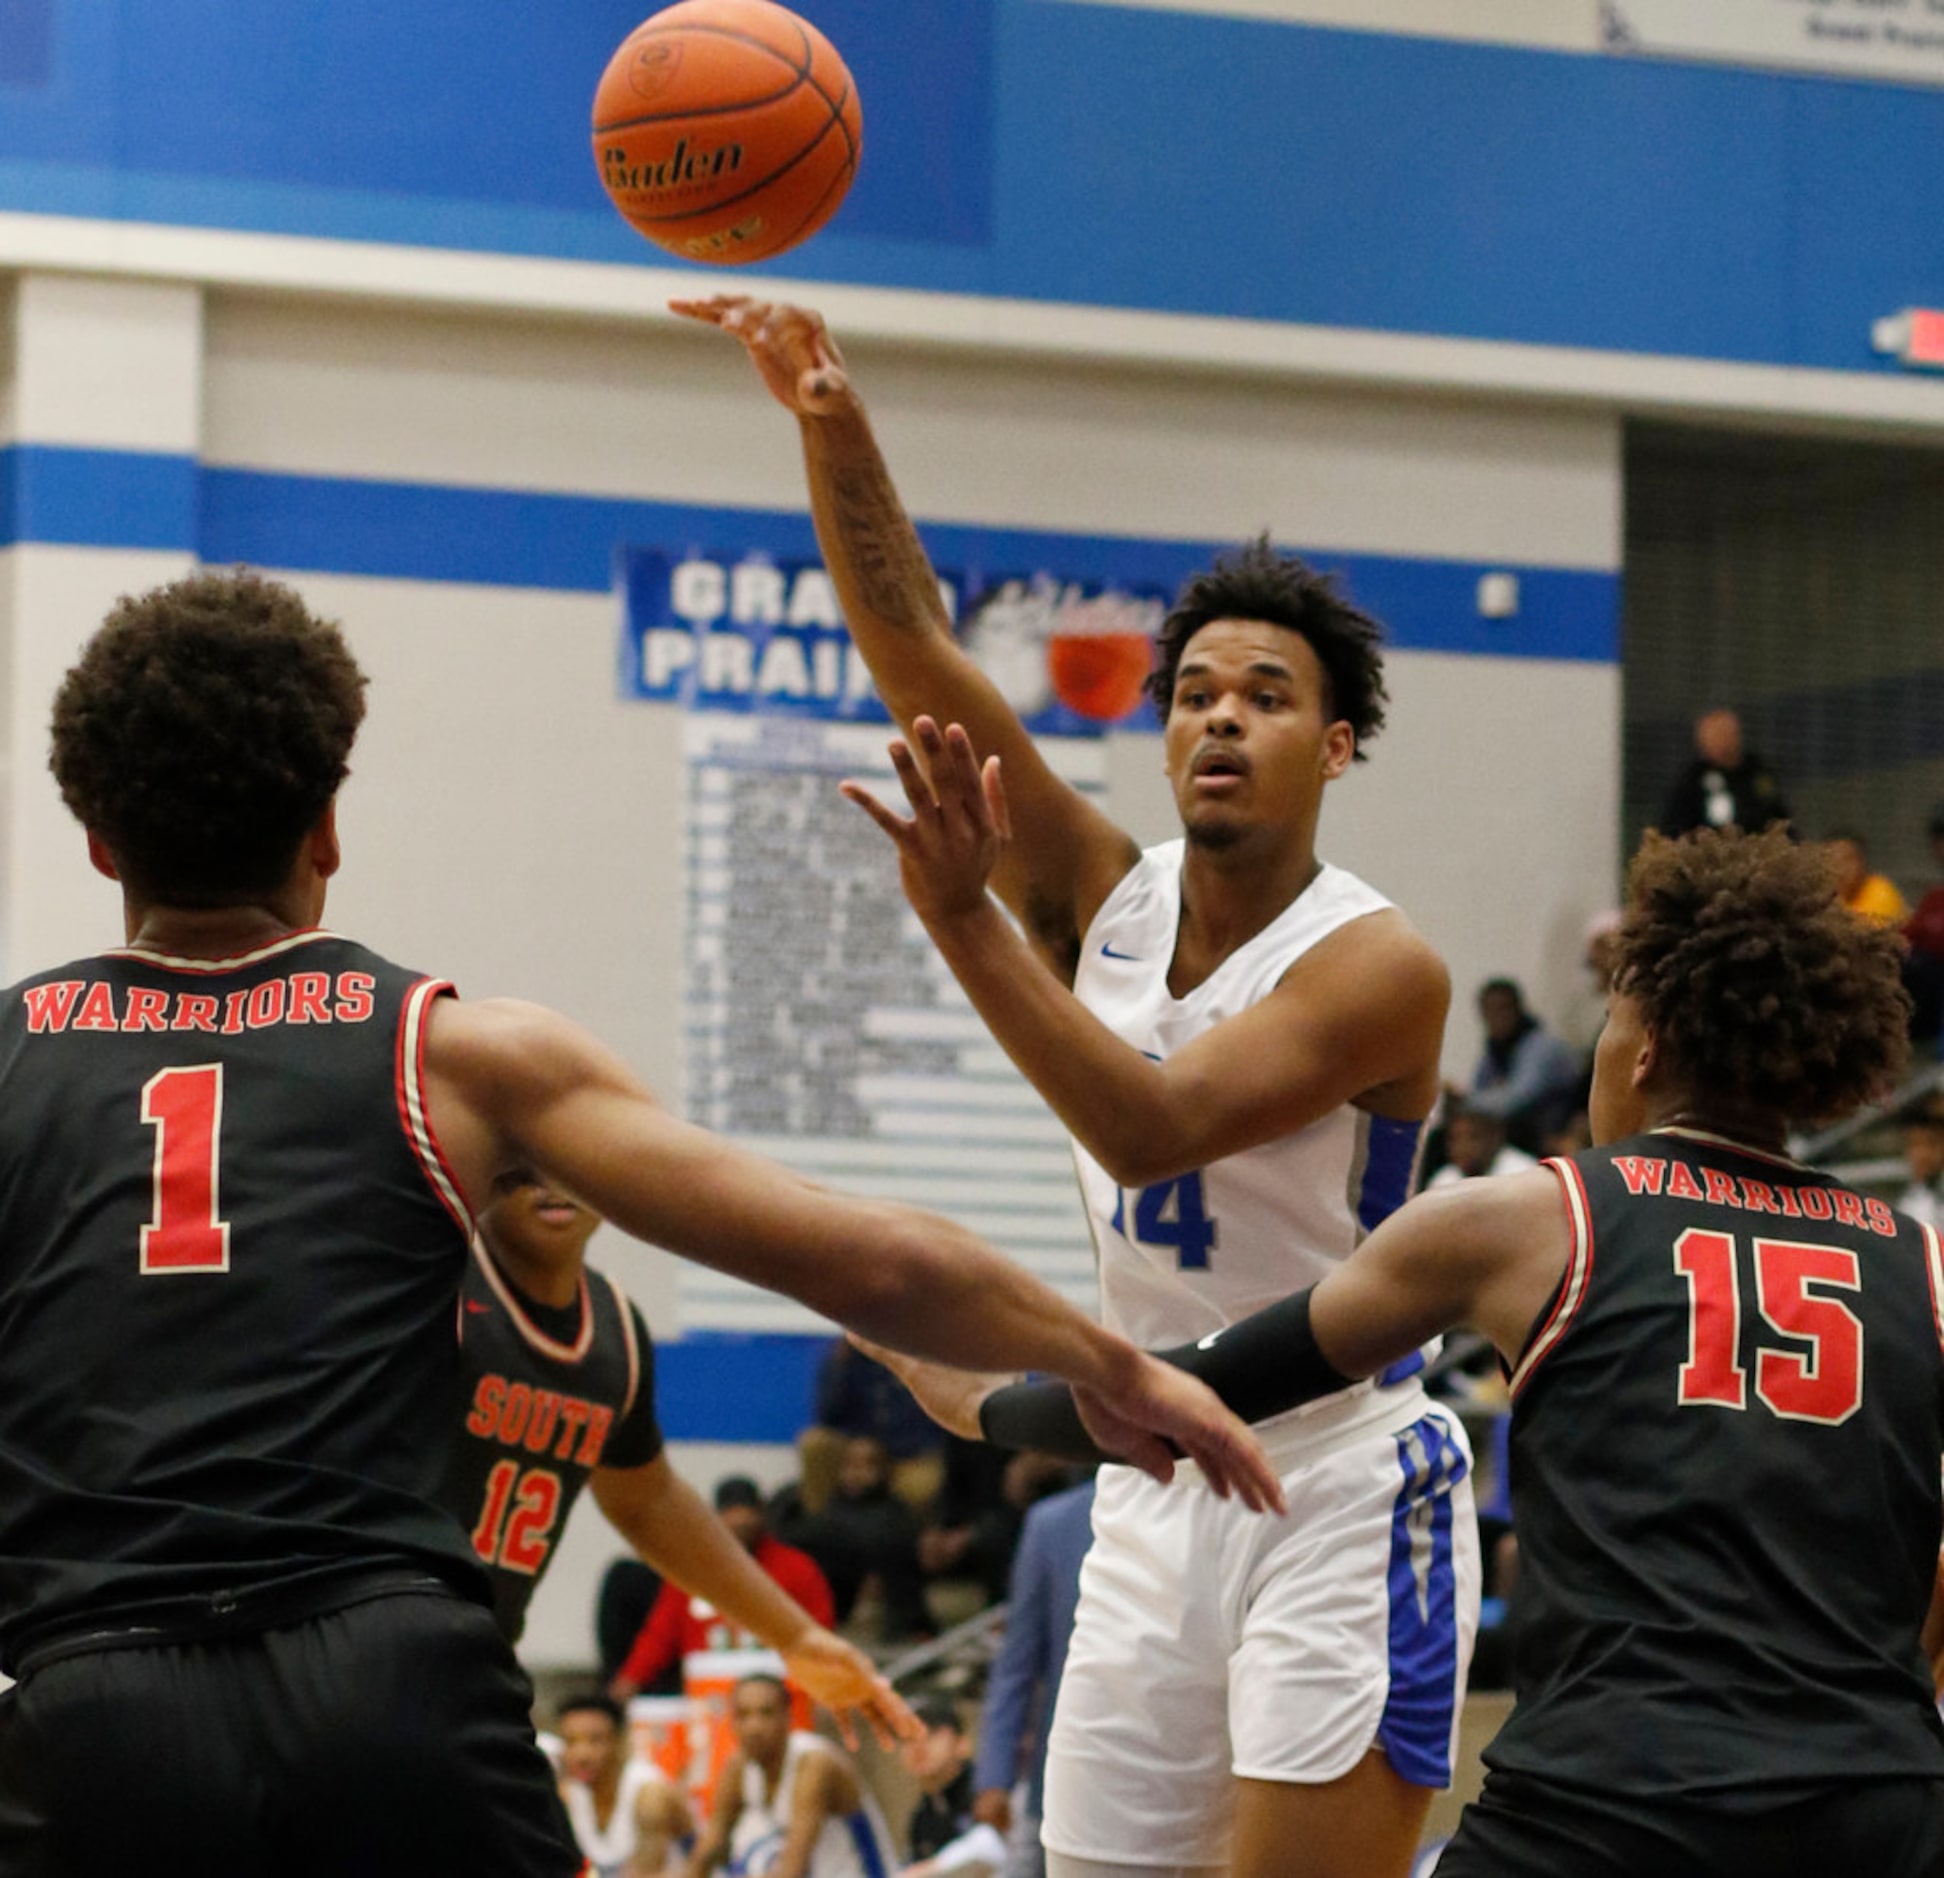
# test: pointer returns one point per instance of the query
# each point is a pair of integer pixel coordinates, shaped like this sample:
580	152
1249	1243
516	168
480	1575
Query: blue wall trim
716	1386
1095	154
512	538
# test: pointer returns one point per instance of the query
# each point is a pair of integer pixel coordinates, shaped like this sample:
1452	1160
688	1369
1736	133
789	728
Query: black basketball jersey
551	1395
230	1255
1725	1449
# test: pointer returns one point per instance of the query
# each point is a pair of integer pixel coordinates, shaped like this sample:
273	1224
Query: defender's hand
959	824
789	346
847	1683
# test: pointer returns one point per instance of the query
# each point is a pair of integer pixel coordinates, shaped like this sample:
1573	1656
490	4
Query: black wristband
1259	1367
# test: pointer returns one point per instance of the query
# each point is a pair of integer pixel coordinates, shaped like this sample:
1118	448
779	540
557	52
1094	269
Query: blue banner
744	629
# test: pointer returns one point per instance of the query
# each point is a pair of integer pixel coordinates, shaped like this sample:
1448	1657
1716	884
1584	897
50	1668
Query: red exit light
1913	337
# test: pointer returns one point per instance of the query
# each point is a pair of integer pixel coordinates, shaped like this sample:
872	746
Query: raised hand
1161	1412
847	1683
789	345
959	823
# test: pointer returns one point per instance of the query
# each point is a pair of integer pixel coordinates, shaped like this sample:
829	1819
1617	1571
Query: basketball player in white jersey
788	1804
1243	1041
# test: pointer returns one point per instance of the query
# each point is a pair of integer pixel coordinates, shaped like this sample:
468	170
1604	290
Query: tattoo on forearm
887	563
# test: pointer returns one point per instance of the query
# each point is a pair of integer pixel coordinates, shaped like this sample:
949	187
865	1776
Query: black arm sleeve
636	1438
1265	1364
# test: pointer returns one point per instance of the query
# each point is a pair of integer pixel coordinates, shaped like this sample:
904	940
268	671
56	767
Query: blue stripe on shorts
1415	1732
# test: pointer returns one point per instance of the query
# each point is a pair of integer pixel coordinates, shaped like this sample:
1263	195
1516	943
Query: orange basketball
726	130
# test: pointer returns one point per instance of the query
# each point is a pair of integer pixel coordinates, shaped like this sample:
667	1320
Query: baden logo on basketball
685	167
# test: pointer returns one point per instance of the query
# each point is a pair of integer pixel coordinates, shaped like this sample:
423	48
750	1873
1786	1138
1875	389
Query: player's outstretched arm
669	1524
1357	1019
510	1084
1486	1255
1070	855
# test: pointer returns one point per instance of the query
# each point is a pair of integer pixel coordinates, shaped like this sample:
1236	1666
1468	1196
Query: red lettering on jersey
233	1013
1681	1185
573	1418
1722	1190
1815	1202
97	1009
195	1010
267	1004
1849	1206
1787	1195
50	1006
1880	1216
546	1411
1641	1174
1759	1195
147	1009
599	1421
354	1003
513	1419
309	992
487	1399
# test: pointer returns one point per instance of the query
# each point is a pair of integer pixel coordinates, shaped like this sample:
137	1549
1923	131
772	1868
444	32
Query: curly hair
1760	985
203	731
1257	583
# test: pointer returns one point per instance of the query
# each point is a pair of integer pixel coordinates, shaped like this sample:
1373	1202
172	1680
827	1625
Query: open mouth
1219	766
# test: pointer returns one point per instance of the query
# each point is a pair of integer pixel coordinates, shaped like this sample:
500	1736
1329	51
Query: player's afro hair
1257	583
1764	990
203	731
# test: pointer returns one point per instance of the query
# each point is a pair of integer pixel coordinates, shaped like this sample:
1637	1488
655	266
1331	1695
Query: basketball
726	130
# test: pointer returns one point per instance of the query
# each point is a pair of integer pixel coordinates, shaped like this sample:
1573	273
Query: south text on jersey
517	1415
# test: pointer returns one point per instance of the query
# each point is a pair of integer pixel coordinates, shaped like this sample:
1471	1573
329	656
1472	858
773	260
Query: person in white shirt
1924	1155
629	1818
1477	1146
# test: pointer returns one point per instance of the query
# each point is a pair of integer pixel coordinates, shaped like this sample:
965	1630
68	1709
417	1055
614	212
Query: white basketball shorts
1213	1642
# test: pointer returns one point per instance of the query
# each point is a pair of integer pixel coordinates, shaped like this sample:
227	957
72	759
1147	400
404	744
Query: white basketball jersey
1188	1256
852	1845
608	1849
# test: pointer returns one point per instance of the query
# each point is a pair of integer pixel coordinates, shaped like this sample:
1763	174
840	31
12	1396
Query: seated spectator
1924	1155
1726	785
1868	895
1924	968
944	1836
679	1625
974	1529
865	1542
789	1804
857	1396
629	1819
1477	1146
1525	1075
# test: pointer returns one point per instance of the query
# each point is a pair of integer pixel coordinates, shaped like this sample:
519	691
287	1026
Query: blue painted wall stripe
563	543
716	1386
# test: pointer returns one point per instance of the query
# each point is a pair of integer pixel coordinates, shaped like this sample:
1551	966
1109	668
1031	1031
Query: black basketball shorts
392	1736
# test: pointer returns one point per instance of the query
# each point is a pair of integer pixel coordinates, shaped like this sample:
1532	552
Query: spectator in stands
1924	968
940	1761
1525	1075
1044	1589
865	1542
1476	1144
857	1396
1726	785
679	1625
788	1803
975	1527
1924	1154
1867	894
629	1819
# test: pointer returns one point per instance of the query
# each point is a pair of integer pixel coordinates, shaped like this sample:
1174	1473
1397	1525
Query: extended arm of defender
669	1525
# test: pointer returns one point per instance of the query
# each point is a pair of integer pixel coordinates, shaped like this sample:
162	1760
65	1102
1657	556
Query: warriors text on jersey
1193	1254
551	1395
229	1251
1725	1448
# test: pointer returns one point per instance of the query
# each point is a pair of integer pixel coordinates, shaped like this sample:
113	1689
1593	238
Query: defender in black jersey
1728	1409
239	1159
560	1396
